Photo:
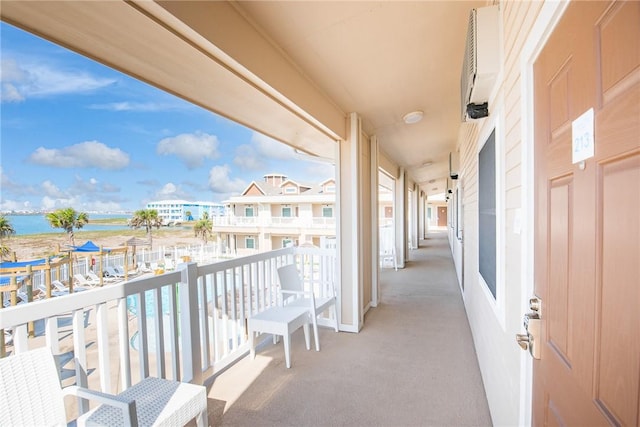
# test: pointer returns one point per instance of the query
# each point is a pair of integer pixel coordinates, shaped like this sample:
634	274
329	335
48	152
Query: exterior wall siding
495	322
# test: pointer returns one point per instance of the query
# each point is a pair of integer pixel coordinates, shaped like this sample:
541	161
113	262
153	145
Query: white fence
184	325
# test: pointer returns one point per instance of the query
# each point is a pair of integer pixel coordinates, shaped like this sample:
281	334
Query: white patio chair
293	294
60	287
54	292
6	298
32	396
143	268
80	280
112	272
93	276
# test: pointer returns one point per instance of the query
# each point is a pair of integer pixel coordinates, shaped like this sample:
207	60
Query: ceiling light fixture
413	117
427	163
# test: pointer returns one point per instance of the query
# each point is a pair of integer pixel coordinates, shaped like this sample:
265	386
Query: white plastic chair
293	293
60	287
80	280
32	396
55	293
112	272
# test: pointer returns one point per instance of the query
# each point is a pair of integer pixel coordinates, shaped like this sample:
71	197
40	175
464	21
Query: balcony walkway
413	363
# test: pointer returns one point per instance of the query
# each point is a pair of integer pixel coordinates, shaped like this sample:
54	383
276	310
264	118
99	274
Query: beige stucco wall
495	322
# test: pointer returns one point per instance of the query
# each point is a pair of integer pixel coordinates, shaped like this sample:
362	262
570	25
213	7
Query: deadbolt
534	304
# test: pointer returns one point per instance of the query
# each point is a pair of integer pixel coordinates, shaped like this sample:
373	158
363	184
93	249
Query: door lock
533	326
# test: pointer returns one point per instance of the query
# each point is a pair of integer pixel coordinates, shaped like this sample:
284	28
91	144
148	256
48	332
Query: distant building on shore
278	212
176	211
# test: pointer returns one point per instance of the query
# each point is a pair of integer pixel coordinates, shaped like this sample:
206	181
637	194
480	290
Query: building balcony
274	222
413	363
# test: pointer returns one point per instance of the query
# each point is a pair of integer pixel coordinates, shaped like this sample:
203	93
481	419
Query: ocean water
37	224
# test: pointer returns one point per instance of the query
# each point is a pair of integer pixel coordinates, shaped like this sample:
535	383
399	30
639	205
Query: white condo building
278	212
173	211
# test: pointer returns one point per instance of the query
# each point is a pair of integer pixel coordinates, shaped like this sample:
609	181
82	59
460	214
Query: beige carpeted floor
413	363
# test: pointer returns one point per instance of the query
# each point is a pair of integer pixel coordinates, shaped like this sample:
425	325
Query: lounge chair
80	280
62	288
32	395
111	272
6	299
54	292
142	268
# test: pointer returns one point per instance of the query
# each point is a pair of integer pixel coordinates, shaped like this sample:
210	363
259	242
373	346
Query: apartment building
277	212
176	211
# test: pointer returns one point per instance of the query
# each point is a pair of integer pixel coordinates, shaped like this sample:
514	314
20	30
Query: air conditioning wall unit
481	63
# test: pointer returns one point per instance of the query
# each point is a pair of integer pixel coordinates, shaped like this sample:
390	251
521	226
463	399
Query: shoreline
34	246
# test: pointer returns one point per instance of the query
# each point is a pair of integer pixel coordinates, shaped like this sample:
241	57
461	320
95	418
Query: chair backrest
80	278
59	285
289	278
93	276
111	272
30	390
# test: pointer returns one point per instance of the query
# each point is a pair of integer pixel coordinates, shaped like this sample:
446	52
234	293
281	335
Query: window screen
487	212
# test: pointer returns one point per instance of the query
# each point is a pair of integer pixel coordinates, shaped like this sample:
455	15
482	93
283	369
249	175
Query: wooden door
442	216
587	234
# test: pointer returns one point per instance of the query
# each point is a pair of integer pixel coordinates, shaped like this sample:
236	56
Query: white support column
190	324
414	216
375	244
351	216
400	217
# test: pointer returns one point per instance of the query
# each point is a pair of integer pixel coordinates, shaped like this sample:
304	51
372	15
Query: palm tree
6	230
204	227
147	218
68	219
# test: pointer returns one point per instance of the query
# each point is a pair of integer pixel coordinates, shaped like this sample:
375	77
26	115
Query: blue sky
75	133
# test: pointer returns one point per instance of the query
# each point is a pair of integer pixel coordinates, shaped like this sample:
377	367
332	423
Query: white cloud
14	205
247	158
220	182
36	78
100	206
321	170
57	203
168	189
271	148
88	154
256	155
172	191
51	190
144	107
191	148
10	93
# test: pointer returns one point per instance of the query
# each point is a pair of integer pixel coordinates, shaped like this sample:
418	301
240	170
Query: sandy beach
28	247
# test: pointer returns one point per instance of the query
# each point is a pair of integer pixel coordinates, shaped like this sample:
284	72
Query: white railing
201	254
116	332
274	221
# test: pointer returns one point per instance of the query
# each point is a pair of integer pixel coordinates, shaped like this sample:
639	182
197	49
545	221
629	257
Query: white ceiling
312	63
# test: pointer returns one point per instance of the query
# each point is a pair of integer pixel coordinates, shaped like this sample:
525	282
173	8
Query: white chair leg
307	341
201	419
287	344
315	333
335	317
252	347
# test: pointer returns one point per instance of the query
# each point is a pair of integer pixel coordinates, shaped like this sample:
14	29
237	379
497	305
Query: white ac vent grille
481	62
468	64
